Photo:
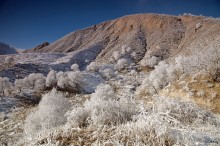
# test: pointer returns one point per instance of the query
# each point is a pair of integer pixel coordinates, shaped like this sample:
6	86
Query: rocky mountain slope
6	49
147	34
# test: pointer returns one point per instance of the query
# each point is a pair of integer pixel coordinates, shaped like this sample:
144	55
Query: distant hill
147	34
7	49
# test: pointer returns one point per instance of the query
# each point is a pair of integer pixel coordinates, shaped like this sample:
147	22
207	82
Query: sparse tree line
36	81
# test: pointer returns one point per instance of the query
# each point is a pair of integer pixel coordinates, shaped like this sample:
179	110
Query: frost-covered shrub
108	73
134	55
111	112
133	73
116	55
5	85
198	25
92	67
104	108
200	93
159	78
19	83
150	61
75	79
9	60
51	79
123	50
213	95
75	67
128	50
162	75
59	74
35	81
63	82
78	117
208	60
122	64
171	121
50	113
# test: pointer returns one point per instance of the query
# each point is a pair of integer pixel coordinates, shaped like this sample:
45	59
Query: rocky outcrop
38	48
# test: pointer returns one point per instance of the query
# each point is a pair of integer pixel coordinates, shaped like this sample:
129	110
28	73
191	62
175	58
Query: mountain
38	48
147	34
6	49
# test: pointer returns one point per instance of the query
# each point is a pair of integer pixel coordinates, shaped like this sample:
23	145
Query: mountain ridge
147	34
7	49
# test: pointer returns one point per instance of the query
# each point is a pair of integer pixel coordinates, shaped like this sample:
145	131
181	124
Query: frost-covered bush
9	60
69	81
166	121
108	73
200	93
150	61
51	79
116	55
50	113
104	108
205	60
63	82
75	67
35	81
134	55
123	50
162	75
133	73
121	64
128	50
5	85
92	67
19	83
75	79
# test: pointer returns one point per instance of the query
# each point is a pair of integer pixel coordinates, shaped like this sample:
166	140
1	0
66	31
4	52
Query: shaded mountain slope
6	49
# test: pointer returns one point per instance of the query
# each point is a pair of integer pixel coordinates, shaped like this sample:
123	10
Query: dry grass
201	82
11	129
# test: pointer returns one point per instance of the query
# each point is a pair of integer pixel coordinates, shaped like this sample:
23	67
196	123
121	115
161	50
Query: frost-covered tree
19	84
49	114
122	64
123	50
75	79
5	85
36	81
75	67
51	79
63	82
92	67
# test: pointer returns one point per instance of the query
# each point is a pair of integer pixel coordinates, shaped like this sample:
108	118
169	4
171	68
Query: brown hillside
153	34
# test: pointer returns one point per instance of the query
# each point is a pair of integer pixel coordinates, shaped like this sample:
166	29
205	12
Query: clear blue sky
27	23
